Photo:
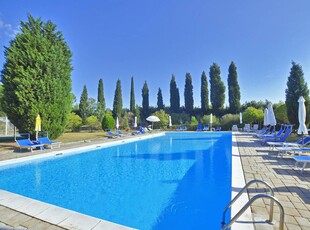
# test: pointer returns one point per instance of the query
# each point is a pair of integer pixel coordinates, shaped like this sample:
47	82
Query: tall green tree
132	96
37	78
100	101
160	102
217	90
83	106
118	101
145	100
204	93
1	98
233	89
296	87
188	94
174	96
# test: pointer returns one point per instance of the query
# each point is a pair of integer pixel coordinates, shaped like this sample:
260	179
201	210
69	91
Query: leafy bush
164	119
228	120
252	115
74	122
281	113
194	121
108	121
93	123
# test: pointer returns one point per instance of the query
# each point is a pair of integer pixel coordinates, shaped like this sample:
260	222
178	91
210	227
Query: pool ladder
254	198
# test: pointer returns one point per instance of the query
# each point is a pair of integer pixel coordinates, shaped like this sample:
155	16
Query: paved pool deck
292	188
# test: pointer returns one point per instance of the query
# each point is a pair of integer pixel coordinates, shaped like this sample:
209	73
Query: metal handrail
240	193
258	196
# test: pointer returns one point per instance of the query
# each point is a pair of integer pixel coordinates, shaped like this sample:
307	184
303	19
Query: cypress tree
132	97
83	106
204	93
118	101
36	78
188	94
160	102
174	96
145	100
100	100
217	90
296	87
233	89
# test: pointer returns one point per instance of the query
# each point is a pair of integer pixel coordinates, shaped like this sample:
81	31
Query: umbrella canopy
170	123
211	121
266	117
38	125
135	125
240	118
117	123
302	129
271	118
153	119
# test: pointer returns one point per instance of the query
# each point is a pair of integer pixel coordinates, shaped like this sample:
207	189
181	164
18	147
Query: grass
81	136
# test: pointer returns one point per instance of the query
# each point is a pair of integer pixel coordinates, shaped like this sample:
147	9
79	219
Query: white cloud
7	29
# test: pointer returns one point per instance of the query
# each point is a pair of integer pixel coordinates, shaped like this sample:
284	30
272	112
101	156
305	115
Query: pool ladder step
248	204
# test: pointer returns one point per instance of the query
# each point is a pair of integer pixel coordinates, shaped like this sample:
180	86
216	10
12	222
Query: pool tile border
238	182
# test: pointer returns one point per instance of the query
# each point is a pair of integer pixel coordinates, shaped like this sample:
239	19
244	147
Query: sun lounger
199	127
301	142
255	128
184	128
281	138
26	143
141	129
301	159
119	133
218	128
285	150
135	133
206	128
48	142
234	128
247	128
112	135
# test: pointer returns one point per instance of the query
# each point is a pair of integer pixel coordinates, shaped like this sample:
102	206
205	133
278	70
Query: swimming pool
180	179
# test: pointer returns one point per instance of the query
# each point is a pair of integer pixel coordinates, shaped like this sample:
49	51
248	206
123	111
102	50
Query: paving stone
293	227
303	221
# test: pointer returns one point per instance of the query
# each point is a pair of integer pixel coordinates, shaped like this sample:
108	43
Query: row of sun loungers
38	144
277	142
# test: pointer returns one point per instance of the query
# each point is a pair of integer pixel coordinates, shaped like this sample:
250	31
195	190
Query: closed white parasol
170	123
271	118
302	129
266	117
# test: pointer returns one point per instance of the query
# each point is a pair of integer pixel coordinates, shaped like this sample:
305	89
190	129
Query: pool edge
245	222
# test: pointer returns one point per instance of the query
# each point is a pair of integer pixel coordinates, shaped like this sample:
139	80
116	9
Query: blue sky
151	40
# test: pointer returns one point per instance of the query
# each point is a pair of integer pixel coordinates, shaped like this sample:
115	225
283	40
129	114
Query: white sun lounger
285	150
302	159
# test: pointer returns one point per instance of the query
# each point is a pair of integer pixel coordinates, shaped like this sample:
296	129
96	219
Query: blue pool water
176	181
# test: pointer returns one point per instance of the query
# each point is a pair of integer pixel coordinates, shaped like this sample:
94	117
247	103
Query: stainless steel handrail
240	193
258	196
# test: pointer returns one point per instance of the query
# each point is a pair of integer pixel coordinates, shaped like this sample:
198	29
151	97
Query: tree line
217	96
36	79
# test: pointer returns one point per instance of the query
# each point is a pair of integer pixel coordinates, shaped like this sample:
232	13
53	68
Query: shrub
74	122
228	120
164	119
92	122
108	122
194	121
